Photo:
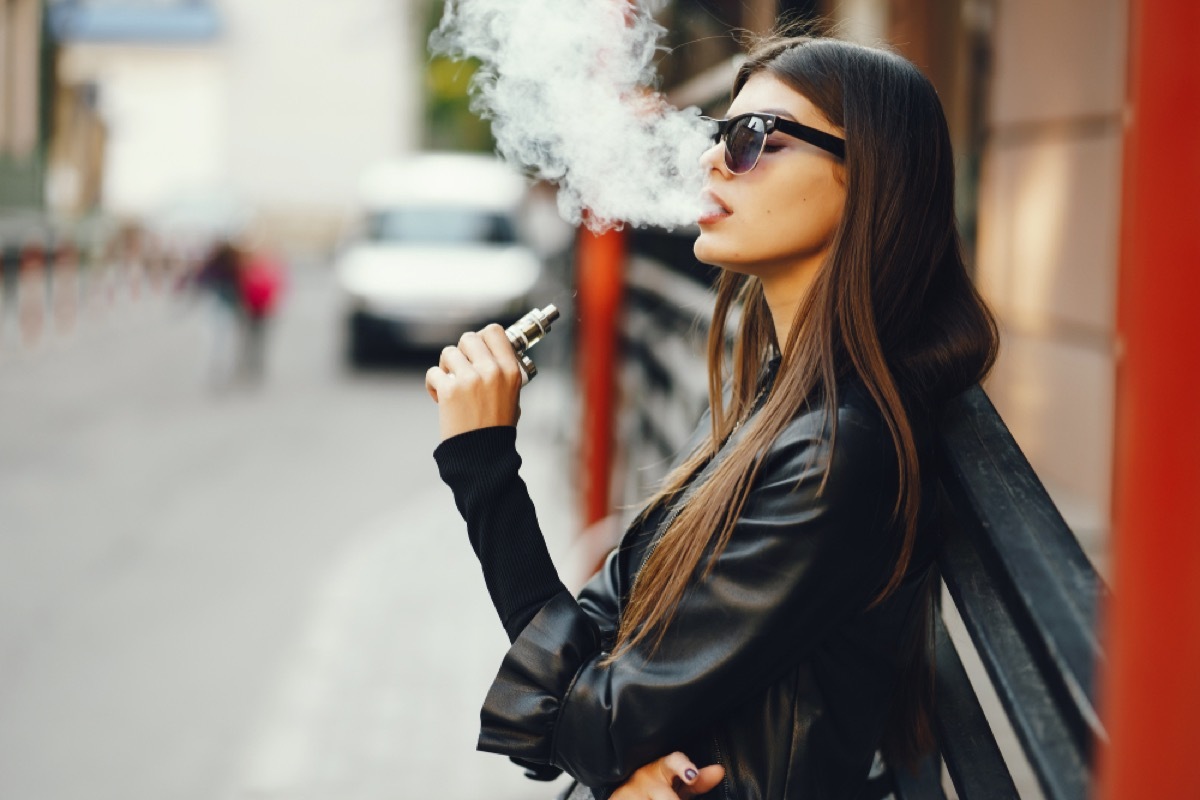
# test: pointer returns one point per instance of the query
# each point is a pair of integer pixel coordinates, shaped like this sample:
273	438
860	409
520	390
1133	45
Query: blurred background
227	566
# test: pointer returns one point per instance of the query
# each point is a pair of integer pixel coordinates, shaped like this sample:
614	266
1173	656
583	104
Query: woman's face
783	213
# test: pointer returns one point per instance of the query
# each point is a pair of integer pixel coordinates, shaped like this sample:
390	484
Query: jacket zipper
678	507
725	782
662	528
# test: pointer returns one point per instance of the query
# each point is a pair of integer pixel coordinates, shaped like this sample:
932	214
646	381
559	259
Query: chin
706	251
714	254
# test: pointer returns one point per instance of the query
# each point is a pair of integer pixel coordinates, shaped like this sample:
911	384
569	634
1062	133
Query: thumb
706	781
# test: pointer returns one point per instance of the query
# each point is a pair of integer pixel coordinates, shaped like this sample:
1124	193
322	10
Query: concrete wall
1050	196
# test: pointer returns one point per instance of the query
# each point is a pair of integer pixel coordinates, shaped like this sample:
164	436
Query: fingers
477	384
492	354
471	345
502	350
455	362
672	777
677	765
656	791
435	380
488	352
662	793
707	780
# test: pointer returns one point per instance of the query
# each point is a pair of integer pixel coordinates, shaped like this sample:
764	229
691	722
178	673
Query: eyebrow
779	112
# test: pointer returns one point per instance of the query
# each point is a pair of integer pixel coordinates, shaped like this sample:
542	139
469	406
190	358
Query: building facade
278	105
25	88
1035	94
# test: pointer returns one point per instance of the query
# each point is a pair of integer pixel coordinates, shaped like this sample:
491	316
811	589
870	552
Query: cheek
799	217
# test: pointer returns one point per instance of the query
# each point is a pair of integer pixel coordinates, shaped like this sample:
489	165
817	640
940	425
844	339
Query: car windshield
440	226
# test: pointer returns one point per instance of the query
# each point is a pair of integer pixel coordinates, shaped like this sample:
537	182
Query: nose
714	157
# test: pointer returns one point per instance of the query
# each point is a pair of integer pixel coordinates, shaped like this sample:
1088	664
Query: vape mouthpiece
528	331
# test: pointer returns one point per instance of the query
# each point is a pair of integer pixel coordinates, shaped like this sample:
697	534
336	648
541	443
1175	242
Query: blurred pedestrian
217	279
243	291
261	282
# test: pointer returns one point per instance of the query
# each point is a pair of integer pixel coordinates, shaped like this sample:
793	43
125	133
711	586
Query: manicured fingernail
690	774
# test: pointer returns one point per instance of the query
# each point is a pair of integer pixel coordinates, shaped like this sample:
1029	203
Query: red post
1151	683
600	269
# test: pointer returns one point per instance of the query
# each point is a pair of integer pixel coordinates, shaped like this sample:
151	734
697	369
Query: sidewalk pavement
381	697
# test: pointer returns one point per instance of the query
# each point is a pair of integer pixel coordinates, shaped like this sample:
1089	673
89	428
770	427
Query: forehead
765	92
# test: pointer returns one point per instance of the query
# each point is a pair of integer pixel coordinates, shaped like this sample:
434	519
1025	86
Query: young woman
767	612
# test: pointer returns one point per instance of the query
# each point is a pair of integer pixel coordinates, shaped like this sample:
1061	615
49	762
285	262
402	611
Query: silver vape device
525	333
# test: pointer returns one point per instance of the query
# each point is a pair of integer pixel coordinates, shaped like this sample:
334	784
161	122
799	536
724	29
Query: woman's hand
476	384
672	777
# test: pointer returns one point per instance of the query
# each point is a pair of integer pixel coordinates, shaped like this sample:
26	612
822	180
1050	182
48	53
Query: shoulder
853	445
814	484
856	422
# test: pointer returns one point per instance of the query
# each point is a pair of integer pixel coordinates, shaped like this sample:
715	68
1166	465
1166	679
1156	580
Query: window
440	226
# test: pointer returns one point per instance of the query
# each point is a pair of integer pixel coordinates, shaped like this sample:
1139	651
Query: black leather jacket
770	667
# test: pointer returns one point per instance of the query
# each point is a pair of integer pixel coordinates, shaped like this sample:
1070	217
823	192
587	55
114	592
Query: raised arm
482	468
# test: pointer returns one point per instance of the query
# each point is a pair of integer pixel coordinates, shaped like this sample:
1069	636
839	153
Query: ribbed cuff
485	456
481	468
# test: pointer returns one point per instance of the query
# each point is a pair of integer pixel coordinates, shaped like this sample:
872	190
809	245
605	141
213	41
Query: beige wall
316	92
1048	241
20	46
283	117
1050	75
163	107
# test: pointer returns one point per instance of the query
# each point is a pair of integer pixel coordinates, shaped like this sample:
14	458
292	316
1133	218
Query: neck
784	291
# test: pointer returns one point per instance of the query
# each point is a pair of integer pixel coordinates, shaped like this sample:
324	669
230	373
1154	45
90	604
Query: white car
439	253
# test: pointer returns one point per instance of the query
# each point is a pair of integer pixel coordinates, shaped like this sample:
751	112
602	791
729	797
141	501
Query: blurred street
263	592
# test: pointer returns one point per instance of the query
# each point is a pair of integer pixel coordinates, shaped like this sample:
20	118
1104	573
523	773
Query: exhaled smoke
568	85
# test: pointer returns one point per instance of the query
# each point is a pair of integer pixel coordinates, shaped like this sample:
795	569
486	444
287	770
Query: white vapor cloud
569	87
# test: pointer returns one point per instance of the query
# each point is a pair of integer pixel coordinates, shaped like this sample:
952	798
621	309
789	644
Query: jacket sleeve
600	599
797	564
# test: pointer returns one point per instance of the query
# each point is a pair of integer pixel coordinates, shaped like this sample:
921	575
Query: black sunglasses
746	135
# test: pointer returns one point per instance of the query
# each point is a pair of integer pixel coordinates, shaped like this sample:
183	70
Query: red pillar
1151	683
600	271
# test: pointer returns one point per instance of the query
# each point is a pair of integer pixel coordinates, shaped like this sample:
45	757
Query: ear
839	170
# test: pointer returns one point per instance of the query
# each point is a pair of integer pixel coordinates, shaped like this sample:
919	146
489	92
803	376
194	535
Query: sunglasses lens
743	144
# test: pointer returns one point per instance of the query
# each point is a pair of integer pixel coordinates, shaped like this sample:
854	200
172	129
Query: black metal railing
1019	580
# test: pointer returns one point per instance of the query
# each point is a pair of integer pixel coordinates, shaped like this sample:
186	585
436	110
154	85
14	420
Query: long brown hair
892	305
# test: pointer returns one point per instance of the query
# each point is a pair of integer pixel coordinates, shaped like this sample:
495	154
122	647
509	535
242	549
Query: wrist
478	456
451	425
